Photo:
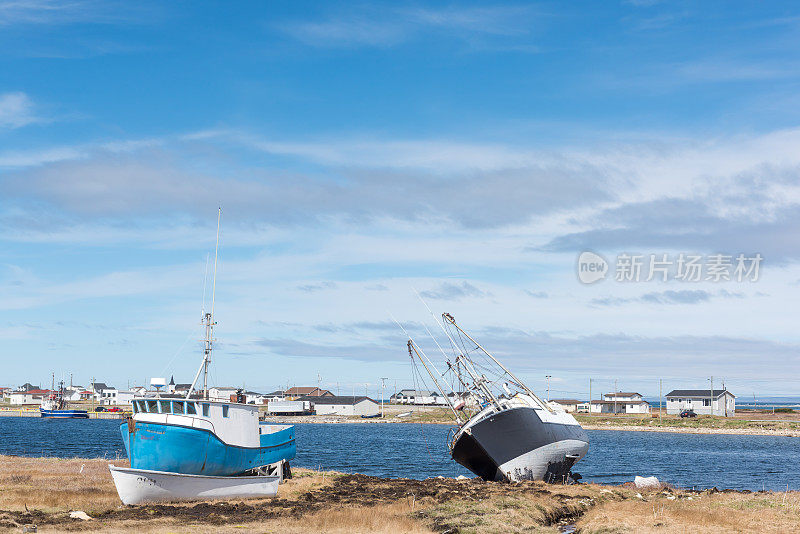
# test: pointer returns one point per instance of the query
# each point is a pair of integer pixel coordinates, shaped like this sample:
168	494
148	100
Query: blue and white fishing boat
55	407
193	435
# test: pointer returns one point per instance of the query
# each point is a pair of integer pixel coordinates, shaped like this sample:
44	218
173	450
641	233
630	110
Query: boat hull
516	444
136	486
197	451
64	414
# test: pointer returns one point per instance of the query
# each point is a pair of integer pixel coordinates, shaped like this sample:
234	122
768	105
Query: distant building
702	401
79	394
124	397
222	393
569	405
105	394
275	395
306	391
31	396
418	397
621	402
333	405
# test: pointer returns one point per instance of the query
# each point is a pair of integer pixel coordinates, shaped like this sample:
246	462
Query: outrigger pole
208	322
421	356
450	319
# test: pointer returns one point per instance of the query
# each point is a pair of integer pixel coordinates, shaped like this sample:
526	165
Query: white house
569	405
221	393
343	405
125	397
418	396
79	394
702	401
33	396
627	402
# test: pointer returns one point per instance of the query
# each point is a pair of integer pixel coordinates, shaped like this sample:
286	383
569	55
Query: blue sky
470	151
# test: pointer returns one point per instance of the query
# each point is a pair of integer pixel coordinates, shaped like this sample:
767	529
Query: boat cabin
233	423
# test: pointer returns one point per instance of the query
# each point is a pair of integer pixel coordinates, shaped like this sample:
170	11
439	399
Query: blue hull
194	451
64	414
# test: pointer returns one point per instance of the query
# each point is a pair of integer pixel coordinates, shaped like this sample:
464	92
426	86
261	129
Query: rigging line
164	370
437	322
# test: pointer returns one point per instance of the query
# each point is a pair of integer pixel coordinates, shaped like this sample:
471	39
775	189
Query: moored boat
55	407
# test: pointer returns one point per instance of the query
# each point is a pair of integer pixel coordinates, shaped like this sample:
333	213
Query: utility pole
548	387
725	398
660	398
383	389
711	406
615	396
590	396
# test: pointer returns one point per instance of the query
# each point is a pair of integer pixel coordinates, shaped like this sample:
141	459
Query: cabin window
135	406
164	406
205	410
190	408
140	406
152	406
706	402
177	407
224	411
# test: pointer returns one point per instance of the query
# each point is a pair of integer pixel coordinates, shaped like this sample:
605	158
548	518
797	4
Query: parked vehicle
99	409
114	409
688	413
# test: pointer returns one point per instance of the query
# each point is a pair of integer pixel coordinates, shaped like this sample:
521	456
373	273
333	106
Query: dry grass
706	512
327	502
56	484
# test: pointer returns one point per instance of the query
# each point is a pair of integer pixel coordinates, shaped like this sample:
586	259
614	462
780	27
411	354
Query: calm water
419	451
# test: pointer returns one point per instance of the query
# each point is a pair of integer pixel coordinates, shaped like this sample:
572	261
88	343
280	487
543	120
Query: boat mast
412	349
450	319
208	323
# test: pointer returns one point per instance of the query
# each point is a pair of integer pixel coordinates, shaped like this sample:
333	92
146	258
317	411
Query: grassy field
43	492
744	422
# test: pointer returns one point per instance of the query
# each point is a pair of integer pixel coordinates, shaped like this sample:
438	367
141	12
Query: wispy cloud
51	12
389	27
453	291
681	296
16	110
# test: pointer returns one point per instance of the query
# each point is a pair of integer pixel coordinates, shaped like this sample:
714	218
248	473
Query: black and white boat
504	430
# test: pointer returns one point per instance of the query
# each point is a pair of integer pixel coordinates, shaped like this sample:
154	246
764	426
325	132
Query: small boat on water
184	447
55	407
504	431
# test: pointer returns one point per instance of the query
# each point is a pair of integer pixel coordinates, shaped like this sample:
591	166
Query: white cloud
16	110
382	28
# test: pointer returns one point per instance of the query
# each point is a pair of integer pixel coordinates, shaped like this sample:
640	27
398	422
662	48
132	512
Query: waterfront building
31	396
569	405
702	401
627	402
333	405
418	397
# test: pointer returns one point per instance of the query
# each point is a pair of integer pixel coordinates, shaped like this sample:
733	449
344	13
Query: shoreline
784	432
702	430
